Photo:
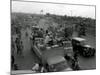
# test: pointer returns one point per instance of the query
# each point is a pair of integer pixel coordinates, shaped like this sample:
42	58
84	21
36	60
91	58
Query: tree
48	14
68	32
82	29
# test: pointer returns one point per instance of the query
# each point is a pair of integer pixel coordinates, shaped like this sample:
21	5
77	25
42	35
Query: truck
80	46
54	61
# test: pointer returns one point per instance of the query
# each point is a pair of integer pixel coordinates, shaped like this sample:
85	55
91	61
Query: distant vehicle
35	28
37	32
58	63
79	45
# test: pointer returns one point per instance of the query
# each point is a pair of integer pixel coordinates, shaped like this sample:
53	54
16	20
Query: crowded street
26	60
51	40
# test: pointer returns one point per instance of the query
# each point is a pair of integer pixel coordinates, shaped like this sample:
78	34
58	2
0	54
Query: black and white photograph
52	37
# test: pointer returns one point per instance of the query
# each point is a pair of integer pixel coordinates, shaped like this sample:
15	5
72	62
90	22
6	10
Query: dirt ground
28	58
88	63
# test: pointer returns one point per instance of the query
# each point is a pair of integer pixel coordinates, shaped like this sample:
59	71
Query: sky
58	9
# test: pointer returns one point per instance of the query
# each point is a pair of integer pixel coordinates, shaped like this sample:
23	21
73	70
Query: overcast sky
59	9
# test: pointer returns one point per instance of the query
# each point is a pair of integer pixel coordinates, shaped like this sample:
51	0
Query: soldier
15	67
26	34
19	46
12	61
35	67
33	38
76	55
47	38
12	47
75	64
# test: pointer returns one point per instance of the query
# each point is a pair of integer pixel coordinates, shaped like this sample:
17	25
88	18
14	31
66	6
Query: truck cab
80	46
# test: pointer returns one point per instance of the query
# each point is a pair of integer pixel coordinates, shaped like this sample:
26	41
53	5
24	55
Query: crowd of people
16	49
49	38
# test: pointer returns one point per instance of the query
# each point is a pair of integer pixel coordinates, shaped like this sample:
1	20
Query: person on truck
47	39
19	45
33	37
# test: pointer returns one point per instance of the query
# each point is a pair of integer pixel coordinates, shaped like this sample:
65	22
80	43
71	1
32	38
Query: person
47	39
75	64
26	34
46	32
60	41
51	41
33	38
76	56
12	47
40	33
67	57
41	68
15	67
47	67
12	61
21	48
17	44
52	68
35	67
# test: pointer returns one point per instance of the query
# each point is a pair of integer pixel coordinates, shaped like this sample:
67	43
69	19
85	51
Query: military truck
80	46
54	62
58	63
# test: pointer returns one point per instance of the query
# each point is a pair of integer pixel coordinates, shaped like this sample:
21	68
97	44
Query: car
80	46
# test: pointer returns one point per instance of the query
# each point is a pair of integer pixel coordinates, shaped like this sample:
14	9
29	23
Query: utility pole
41	11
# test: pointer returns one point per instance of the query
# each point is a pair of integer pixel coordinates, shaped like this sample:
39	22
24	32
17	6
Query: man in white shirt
47	39
35	67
